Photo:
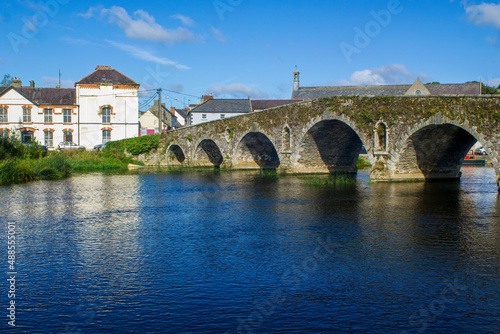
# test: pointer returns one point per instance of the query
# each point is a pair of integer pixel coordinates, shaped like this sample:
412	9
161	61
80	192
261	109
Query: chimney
172	110
207	97
16	82
32	84
103	68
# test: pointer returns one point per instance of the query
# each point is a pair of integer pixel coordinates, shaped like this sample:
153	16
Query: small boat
474	160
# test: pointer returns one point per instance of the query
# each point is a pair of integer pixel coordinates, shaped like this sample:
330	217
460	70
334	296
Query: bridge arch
330	143
207	153
255	150
435	150
175	154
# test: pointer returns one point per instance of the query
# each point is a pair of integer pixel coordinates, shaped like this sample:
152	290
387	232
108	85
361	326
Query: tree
7	80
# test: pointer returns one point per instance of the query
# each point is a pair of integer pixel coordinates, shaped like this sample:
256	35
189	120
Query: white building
103	106
213	109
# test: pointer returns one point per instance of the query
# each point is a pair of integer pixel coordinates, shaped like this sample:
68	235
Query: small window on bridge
287	143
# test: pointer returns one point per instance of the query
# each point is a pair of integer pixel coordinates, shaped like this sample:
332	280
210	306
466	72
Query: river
238	252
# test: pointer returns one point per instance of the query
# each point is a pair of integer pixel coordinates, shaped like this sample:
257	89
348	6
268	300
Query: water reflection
185	253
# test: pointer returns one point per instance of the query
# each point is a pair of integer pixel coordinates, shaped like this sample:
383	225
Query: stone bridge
406	138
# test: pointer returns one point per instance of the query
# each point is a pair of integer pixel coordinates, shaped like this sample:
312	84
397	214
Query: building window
106	136
47	116
26	115
67	136
4	116
27	136
67	116
222	116
204	116
106	115
49	138
418	92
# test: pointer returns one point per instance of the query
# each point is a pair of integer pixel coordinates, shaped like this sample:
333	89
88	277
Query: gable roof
181	112
312	93
268	104
3	89
106	75
45	96
418	87
224	106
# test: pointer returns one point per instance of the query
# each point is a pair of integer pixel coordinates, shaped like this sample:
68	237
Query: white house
109	106
213	109
103	106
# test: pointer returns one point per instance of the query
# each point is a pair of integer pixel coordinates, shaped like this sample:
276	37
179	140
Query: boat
474	160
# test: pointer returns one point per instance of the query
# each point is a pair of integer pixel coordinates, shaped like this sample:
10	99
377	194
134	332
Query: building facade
102	107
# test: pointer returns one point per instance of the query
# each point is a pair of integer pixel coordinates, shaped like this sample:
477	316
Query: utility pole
160	111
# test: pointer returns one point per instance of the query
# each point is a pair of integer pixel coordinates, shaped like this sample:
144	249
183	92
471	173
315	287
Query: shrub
139	145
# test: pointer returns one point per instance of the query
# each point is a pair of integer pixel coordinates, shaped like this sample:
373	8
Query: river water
244	253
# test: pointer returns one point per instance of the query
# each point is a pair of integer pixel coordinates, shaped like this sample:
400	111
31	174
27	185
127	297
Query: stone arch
208	153
380	138
287	138
330	143
175	154
435	150
255	151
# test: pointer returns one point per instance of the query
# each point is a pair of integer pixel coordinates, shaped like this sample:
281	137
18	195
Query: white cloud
53	82
493	82
219	35
184	19
142	26
386	75
79	41
237	90
145	55
485	13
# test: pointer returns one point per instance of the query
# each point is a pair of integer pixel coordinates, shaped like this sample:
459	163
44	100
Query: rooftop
106	75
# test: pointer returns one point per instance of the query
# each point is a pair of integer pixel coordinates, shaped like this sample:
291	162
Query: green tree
7	80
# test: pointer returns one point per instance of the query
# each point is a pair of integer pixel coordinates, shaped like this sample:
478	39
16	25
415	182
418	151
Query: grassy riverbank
24	163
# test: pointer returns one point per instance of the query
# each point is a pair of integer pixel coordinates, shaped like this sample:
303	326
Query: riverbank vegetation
29	162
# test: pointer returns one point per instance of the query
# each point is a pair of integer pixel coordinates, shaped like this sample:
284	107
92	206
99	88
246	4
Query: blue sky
240	48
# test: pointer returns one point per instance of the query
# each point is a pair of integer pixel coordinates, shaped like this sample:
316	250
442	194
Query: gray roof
471	88
268	104
224	106
181	112
106	75
45	96
312	93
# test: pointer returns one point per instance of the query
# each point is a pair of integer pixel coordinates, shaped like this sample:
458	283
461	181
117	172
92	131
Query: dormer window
418	92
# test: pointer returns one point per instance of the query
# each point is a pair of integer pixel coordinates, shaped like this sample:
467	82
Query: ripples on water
236	252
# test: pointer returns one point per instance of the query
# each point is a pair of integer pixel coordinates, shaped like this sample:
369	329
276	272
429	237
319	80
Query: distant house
416	89
103	106
149	124
169	116
213	109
